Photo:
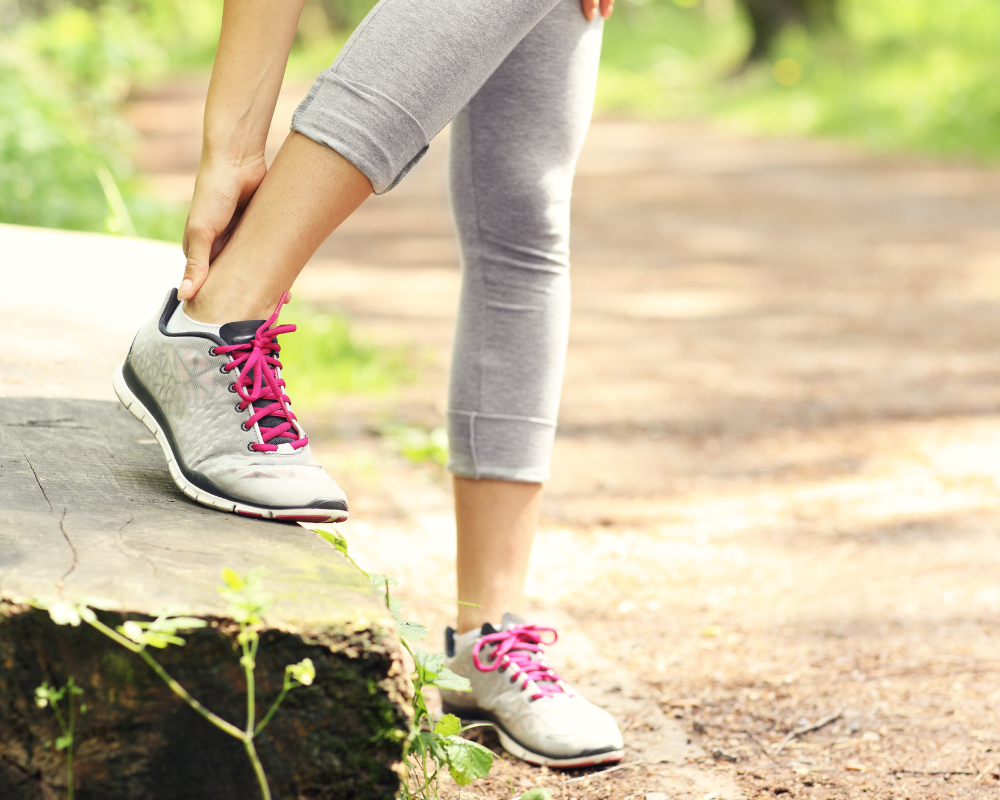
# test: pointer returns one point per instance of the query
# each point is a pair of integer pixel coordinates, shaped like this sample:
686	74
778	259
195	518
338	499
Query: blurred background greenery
896	75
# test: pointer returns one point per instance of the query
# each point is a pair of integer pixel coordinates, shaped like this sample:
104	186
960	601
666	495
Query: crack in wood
62	527
131	551
47	423
31	467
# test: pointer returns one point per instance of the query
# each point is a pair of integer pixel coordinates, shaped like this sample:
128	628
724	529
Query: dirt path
777	477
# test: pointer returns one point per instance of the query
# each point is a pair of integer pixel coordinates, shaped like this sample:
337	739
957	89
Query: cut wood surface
88	514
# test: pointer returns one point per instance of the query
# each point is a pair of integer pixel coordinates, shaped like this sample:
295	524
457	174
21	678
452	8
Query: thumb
198	249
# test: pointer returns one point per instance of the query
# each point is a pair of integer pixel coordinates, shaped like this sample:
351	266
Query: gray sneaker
539	717
216	405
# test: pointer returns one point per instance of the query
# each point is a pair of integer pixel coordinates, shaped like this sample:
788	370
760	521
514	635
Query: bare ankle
205	307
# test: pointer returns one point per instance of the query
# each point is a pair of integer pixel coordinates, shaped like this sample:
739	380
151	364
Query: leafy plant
430	746
247	604
48	696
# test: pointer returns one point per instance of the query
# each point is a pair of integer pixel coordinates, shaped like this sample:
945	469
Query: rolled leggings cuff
499	447
365	126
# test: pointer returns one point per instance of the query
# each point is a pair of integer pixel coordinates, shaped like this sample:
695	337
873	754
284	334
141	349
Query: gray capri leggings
517	77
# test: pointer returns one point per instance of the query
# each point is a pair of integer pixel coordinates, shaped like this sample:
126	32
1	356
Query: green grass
323	359
896	75
417	444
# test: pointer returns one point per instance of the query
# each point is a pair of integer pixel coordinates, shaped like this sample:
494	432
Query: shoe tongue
509	621
240	332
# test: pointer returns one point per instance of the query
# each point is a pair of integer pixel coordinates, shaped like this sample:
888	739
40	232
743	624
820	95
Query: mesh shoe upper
207	419
513	685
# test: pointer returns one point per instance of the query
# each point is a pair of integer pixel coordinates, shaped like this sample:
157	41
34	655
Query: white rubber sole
139	411
538	760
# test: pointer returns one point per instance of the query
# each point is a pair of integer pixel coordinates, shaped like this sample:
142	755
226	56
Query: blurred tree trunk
768	18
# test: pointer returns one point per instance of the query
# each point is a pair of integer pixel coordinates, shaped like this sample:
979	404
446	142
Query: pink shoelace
515	647
258	382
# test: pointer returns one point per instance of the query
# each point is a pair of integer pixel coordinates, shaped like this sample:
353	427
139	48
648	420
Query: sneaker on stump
215	402
538	716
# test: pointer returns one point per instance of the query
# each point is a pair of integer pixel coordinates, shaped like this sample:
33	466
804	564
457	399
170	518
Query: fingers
221	194
198	241
591	7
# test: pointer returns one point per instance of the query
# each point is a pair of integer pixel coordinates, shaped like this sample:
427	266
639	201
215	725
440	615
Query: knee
523	216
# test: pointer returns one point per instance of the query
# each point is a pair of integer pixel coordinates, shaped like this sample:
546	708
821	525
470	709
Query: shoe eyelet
232	388
250	448
244	428
211	352
223	370
237	408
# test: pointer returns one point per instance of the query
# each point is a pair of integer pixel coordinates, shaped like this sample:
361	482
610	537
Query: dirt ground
776	488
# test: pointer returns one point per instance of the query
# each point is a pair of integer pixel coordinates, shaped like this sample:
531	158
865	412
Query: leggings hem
499	446
355	120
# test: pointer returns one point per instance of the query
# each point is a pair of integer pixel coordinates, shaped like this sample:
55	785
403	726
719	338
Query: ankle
205	307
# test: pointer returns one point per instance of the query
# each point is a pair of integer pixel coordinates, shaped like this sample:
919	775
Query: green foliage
537	793
247	603
247	599
407	629
322	358
160	632
49	697
418	444
430	746
919	75
64	148
913	76
659	58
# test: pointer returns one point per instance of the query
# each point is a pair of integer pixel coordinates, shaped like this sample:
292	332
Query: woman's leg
406	71
496	522
513	154
307	193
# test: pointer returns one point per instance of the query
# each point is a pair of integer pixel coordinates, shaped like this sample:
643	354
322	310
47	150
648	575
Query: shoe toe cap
574	727
280	485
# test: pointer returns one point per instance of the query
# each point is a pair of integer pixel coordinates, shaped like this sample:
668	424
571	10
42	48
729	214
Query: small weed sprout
430	747
48	696
247	604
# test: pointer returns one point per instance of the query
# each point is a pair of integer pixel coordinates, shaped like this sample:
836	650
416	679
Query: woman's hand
221	193
590	8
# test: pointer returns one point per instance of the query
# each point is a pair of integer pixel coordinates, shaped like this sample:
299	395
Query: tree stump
88	514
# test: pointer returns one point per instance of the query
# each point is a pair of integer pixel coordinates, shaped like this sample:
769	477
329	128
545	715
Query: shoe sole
518	750
140	412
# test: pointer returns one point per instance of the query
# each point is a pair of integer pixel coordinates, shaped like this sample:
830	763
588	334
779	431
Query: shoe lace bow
258	382
520	647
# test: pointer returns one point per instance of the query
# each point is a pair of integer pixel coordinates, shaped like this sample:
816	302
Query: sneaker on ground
217	407
538	716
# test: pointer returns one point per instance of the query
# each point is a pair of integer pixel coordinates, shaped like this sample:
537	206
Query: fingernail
185	289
